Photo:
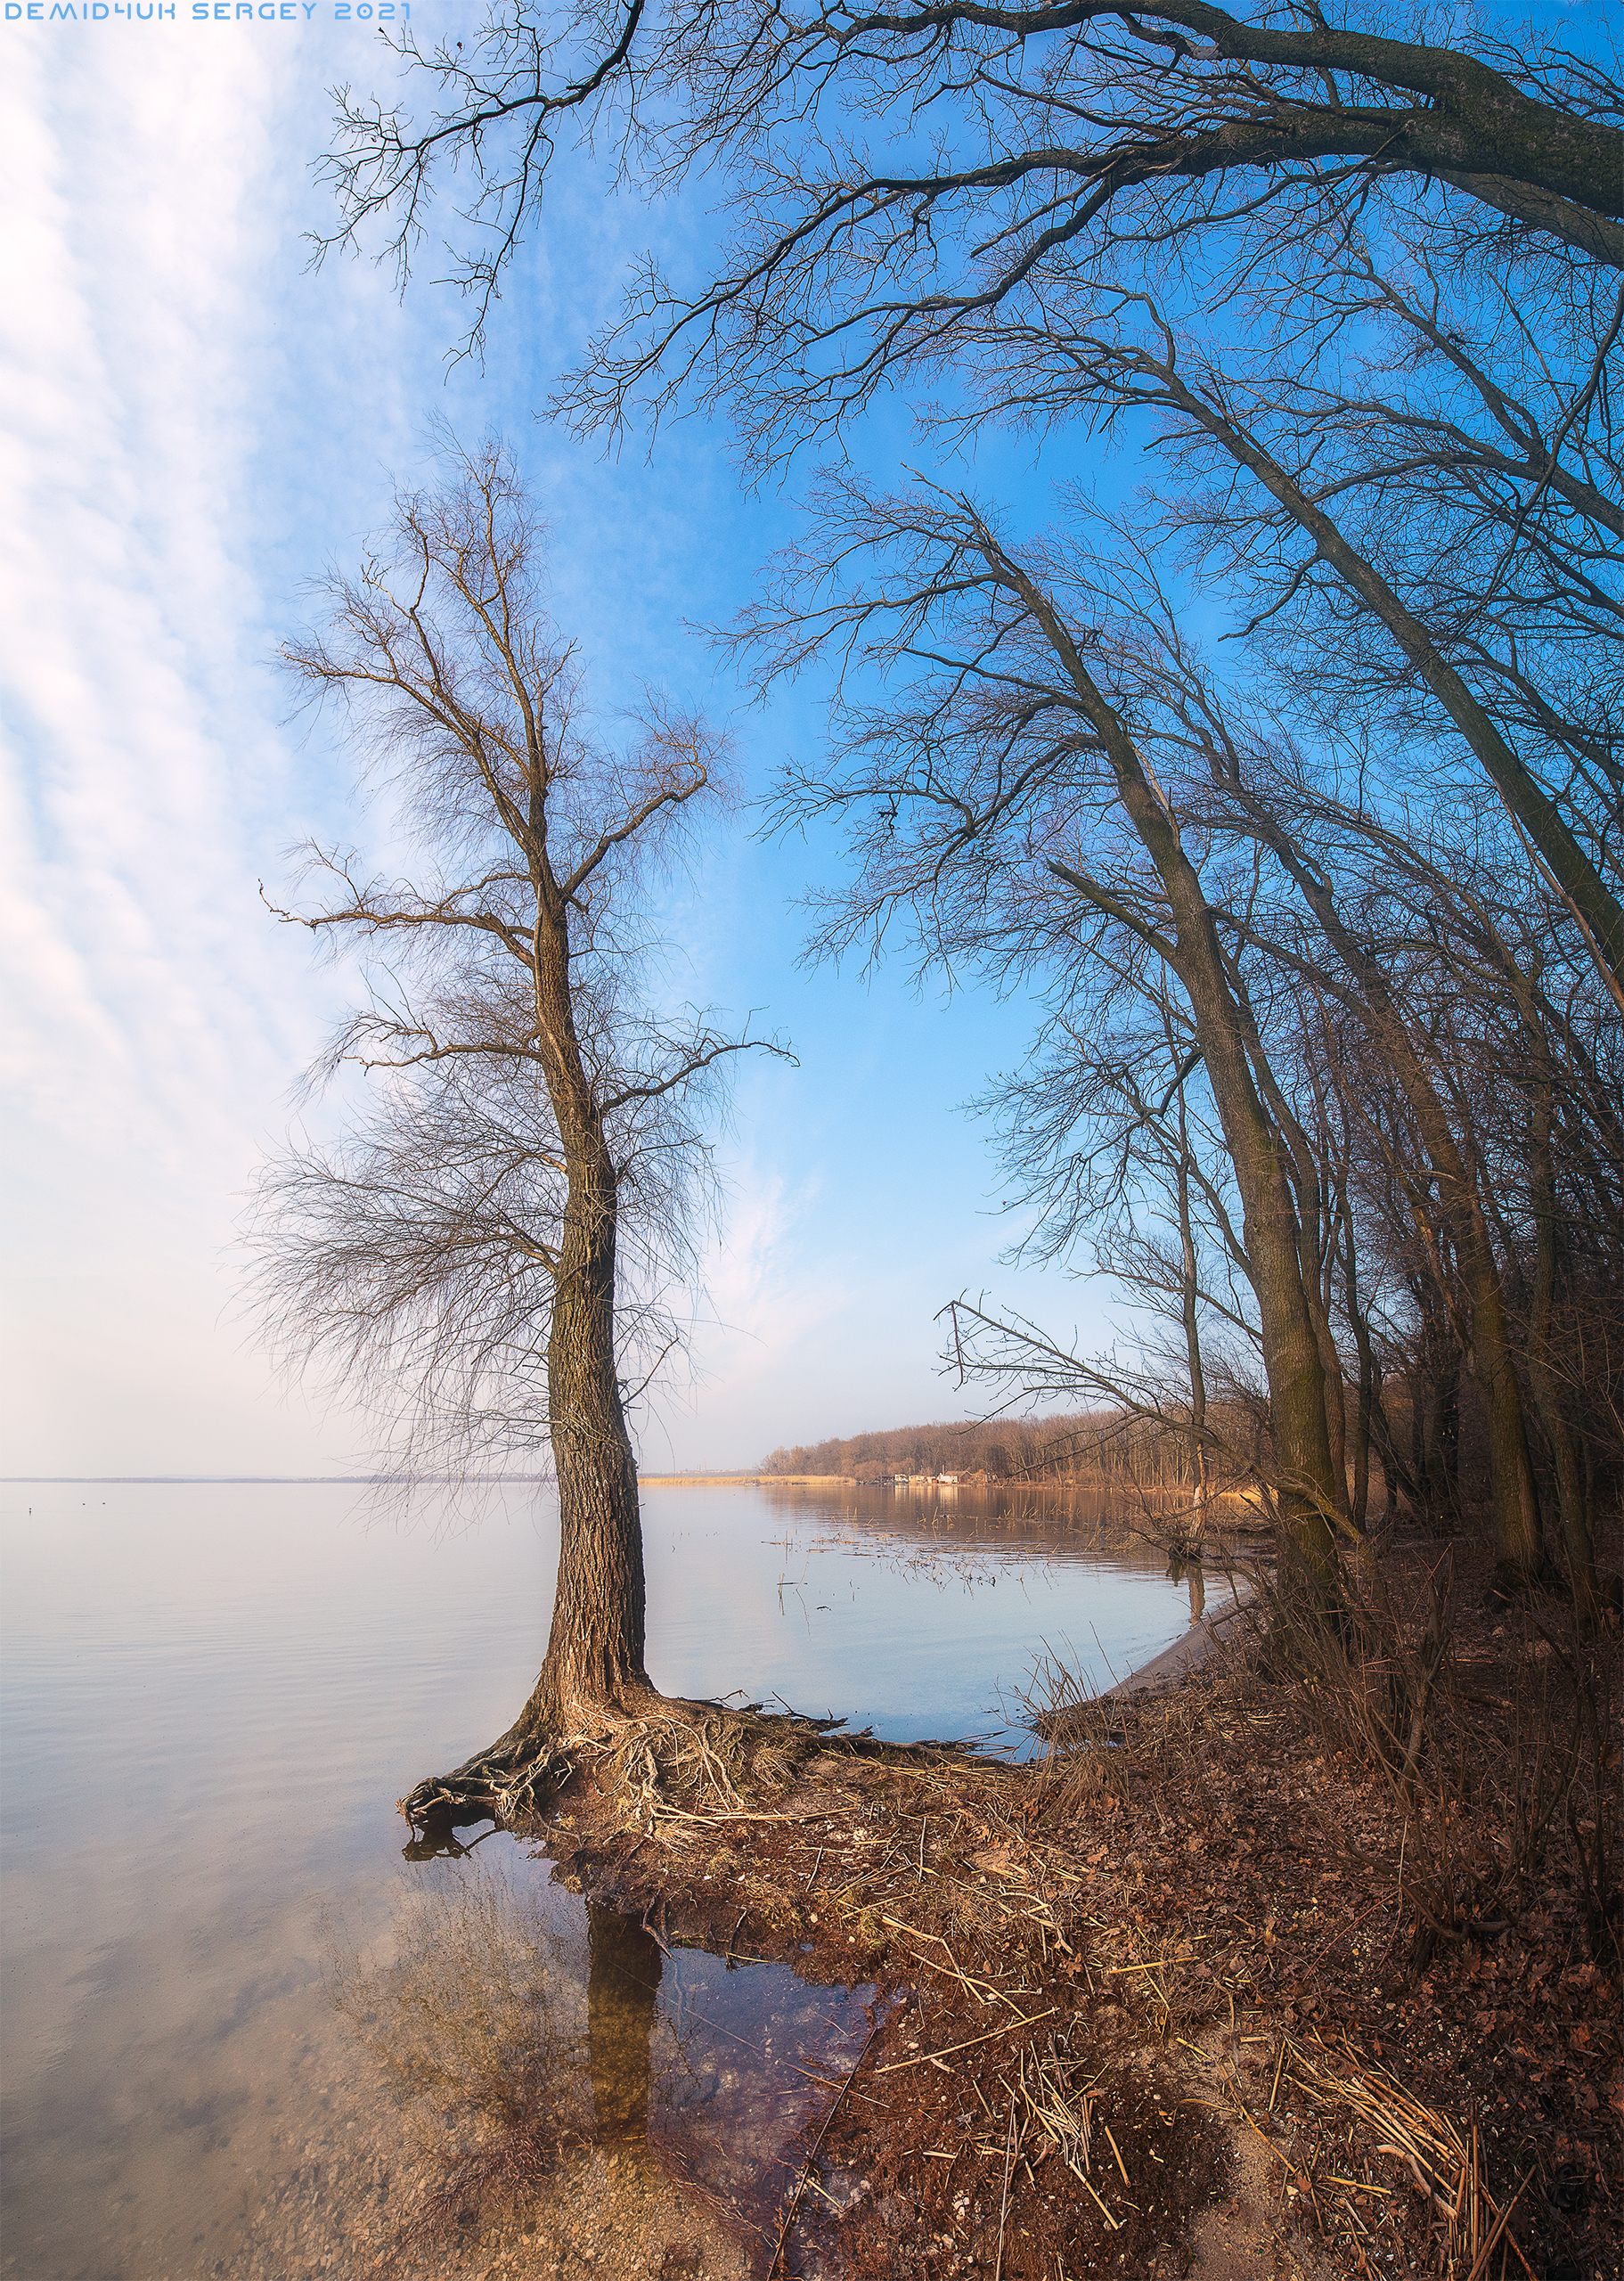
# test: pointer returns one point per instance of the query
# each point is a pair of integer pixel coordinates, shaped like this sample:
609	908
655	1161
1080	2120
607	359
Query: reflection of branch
806	2167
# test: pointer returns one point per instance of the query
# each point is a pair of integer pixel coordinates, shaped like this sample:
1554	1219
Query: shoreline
1235	1500
1192	1929
1175	1663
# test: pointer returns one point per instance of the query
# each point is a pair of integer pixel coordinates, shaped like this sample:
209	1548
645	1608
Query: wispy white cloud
193	424
150	1005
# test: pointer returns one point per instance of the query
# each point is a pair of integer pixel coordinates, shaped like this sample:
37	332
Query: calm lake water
211	1695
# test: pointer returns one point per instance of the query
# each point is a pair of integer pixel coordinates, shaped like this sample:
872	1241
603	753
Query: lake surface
211	1695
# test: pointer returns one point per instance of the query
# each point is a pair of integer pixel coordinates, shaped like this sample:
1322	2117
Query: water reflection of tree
623	1984
470	2018
1191	1573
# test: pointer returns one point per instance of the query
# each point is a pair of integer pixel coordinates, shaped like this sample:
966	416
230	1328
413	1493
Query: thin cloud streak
195	425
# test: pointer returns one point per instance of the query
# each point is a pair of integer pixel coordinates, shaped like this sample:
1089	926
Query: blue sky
195	425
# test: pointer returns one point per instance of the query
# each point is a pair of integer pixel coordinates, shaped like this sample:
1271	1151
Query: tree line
1014	1448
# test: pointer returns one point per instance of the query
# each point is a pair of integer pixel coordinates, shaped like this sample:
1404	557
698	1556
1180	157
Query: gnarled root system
511	1781
708	1756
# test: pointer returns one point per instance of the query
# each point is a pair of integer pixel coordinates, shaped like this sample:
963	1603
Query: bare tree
1108	1130
1070	215
486	1261
1060	788
1083	130
1362	292
1008	799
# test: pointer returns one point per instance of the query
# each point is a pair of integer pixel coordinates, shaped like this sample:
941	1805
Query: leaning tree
486	1258
1360	289
1326	260
1005	785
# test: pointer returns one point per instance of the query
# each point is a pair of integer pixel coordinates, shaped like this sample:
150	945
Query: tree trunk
1443	1450
1519	1544
595	1649
1570	1499
1296	1151
1395	1478
1420	1468
1195	1529
594	1656
1360	1323
1305	1487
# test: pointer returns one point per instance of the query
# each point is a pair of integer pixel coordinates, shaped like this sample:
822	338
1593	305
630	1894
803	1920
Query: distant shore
1231	1502
751	1480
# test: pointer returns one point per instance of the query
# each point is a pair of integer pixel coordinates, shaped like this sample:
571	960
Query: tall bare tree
999	196
1052	782
1010	784
1082	129
485	1260
1362	293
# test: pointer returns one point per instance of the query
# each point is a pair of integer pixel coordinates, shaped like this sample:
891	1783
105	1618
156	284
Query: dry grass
1362	2104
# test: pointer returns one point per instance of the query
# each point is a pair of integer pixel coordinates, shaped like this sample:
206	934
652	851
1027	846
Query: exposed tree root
511	1780
675	1757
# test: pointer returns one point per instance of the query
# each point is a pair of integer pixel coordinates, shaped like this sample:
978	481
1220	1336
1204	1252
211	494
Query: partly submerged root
512	1782
670	1757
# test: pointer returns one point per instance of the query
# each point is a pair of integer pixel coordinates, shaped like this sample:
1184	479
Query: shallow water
212	1693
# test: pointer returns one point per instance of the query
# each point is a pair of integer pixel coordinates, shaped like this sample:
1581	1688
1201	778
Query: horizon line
247	1480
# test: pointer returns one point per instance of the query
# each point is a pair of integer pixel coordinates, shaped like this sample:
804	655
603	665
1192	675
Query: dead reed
1466	2223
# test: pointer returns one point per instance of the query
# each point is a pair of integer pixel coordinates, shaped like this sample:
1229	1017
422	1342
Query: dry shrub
1106	1752
1087	1765
1481	1798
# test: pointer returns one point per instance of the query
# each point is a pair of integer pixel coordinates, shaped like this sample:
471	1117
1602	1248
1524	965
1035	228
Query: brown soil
1200	1995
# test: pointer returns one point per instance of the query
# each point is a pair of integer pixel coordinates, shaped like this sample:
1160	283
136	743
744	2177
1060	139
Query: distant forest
1005	1448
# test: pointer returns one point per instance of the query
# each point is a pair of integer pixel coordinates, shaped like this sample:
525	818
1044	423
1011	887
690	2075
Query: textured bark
595	1649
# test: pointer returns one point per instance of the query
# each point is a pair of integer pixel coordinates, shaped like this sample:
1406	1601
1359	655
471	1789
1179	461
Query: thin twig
1003	2207
806	2167
893	2066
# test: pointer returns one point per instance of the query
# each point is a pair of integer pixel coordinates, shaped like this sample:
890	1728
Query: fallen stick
1499	2227
1003	2207
806	2167
893	2066
1117	2151
1115	2224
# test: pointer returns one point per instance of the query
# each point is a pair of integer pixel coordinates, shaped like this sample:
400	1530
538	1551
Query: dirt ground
1214	1990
